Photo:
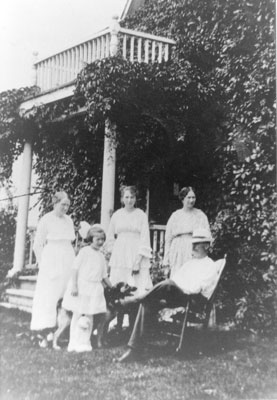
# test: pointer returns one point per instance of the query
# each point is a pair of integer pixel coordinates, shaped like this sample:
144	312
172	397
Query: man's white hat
201	235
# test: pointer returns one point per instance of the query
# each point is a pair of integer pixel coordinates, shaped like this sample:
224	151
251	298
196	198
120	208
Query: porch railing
157	236
62	68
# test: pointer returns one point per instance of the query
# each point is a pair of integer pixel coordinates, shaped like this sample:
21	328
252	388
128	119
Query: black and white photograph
138	202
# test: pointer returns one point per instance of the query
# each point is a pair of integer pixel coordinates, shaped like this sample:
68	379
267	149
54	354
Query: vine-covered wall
205	118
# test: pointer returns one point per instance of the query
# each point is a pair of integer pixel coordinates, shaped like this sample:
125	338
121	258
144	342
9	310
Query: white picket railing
157	238
63	67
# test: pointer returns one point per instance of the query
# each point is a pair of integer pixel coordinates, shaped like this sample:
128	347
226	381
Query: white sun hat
201	235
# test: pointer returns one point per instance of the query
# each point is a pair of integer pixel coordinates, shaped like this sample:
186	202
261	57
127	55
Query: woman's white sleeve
168	239
203	221
40	238
145	246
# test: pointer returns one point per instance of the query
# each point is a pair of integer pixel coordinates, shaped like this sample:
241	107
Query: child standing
85	292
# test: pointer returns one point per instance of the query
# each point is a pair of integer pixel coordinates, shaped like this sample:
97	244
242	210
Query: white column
109	157
23	209
108	177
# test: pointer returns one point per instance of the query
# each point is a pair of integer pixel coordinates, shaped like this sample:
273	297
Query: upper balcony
61	69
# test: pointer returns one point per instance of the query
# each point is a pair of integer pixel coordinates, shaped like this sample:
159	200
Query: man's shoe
130	355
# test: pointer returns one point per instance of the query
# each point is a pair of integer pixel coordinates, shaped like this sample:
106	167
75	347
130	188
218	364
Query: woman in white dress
179	228
128	241
55	255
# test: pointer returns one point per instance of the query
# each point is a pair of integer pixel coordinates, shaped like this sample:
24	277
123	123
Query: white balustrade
62	68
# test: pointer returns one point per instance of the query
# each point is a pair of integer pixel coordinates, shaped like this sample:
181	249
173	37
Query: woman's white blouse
52	228
124	223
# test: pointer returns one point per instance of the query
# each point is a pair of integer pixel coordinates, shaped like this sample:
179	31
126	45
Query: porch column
108	177
23	208
109	157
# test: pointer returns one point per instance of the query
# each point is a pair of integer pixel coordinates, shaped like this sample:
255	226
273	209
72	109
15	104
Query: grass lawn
217	365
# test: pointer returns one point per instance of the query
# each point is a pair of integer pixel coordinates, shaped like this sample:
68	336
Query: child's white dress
92	270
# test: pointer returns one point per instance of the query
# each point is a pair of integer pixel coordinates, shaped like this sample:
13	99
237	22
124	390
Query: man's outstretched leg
150	304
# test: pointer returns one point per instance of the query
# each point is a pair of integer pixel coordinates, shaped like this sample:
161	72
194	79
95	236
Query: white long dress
128	236
178	234
55	256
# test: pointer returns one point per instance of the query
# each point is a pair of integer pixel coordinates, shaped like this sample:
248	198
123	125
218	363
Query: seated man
195	276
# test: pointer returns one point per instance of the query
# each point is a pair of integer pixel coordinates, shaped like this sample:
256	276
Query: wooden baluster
71	64
89	52
124	49
146	51
102	47
57	70
38	75
139	49
153	51
160	56
81	59
108	45
166	52
161	249
66	66
61	70
49	75
155	241
132	48
31	235
42	79
77	61
53	68
98	49
93	58
44	75
85	53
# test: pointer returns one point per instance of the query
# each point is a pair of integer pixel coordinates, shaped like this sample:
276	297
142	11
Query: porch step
27	282
19	298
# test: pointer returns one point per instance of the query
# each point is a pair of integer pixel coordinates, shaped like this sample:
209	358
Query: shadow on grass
196	344
199	344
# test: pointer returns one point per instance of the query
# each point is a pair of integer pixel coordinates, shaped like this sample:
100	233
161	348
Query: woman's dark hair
184	192
131	189
59	196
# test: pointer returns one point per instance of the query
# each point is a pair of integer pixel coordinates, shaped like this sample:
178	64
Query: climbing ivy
204	118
